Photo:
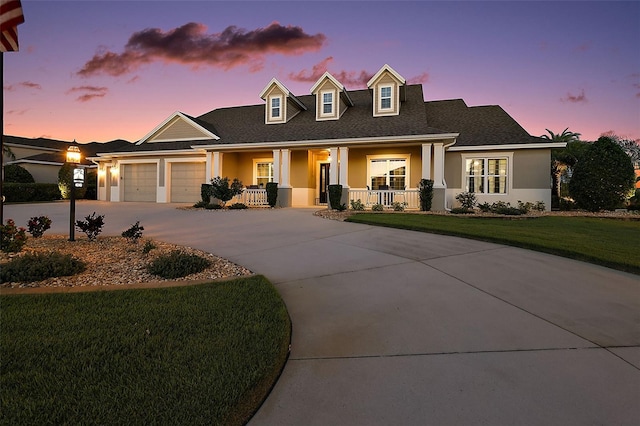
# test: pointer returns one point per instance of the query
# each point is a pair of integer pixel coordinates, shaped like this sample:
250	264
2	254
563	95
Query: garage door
139	182
186	180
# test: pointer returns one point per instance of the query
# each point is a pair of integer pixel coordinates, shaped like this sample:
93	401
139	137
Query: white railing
251	197
385	197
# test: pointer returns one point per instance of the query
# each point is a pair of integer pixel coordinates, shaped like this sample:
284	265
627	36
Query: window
486	175
327	103
385	97
391	172
263	172
275	107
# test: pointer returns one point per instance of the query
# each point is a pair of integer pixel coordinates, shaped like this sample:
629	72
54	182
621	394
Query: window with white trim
388	172
263	172
327	103
276	103
385	97
486	175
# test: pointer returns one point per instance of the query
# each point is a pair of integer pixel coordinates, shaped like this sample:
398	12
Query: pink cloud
191	45
88	93
584	47
25	84
581	98
419	79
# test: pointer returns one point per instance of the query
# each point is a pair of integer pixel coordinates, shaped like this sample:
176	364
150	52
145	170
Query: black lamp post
73	157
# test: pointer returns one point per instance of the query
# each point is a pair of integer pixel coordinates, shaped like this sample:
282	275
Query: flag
10	17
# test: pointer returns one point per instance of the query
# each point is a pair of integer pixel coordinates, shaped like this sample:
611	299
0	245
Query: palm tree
561	160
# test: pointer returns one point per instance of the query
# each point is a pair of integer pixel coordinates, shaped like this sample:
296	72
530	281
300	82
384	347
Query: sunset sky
104	70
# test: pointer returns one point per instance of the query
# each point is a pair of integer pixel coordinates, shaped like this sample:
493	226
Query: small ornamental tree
603	177
221	190
426	194
65	181
14	173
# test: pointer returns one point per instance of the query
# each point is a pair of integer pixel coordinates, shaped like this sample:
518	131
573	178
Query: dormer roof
388	69
283	88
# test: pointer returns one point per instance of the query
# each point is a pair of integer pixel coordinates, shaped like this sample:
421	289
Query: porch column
286	168
276	166
333	169
426	161
217	164
208	164
438	166
344	167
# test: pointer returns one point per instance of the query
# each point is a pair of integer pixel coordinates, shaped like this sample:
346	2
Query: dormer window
327	103
276	103
385	97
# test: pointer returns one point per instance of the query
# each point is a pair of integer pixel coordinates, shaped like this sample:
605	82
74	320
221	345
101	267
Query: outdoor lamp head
73	154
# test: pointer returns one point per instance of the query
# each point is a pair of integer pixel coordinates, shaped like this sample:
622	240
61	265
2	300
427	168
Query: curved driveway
395	327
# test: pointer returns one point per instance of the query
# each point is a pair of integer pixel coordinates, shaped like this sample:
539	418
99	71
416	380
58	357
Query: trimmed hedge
13	173
24	192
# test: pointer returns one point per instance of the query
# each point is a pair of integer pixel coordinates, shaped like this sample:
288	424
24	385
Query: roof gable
178	127
386	69
283	89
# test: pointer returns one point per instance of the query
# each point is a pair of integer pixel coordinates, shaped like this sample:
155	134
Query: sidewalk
395	327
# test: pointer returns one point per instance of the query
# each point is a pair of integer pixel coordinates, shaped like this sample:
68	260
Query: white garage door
140	182
186	180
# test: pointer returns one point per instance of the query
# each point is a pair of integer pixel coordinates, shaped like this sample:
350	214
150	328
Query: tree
224	192
603	177
630	147
561	159
14	173
565	136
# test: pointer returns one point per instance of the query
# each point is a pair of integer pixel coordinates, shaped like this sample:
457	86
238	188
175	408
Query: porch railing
251	197
386	197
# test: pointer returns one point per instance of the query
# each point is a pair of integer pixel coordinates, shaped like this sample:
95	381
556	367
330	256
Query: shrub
539	206
425	190
461	210
148	246
398	206
377	208
567	205
12	238
205	193
177	264
37	225
335	196
25	192
65	182
201	204
213	207
485	207
40	266
602	177
272	193
134	233
357	205
14	173
525	207
467	200
223	191
238	206
91	226
91	184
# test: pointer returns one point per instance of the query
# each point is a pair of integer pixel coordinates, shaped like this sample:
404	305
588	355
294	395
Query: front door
324	182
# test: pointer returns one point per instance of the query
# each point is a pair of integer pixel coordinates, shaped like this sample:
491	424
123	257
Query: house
43	157
378	143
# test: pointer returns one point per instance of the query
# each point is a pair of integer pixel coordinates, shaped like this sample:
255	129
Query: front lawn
608	242
204	354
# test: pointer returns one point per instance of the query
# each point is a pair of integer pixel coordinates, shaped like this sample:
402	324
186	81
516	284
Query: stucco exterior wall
42	173
532	168
358	164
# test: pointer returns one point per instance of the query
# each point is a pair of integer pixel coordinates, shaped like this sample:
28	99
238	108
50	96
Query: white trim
333	115
485	156
267	88
331	78
188	121
281	110
386	68
257	161
22	161
406	157
331	142
34	147
107	155
380	97
509	146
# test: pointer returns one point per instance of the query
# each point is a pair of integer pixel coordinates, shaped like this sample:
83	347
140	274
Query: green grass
608	242
205	354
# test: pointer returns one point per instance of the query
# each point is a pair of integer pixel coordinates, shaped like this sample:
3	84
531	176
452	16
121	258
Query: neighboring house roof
42	143
58	149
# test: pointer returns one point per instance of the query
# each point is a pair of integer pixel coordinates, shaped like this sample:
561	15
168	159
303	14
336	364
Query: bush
335	196
272	193
461	210
205	193
148	246
485	207
177	264
377	208
12	238
40	266
223	191
37	225
213	207
91	226
425	190
357	205
398	206
567	205
65	182
238	206
603	176
539	206
201	204
14	173
27	192
467	200
134	233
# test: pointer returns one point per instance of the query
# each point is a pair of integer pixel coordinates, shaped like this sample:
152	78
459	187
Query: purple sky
103	70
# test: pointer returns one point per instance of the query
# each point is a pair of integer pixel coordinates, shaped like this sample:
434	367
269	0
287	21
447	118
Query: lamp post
73	157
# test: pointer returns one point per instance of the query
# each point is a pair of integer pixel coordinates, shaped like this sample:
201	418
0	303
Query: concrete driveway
396	327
